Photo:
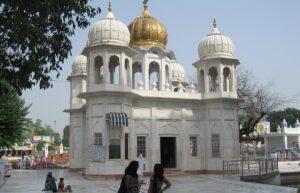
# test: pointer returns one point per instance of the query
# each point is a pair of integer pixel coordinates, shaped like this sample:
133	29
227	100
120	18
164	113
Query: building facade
128	97
286	139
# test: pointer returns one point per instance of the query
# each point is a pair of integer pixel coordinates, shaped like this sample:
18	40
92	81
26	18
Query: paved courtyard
289	166
33	181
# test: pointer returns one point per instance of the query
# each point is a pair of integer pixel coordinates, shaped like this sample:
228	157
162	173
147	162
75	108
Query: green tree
47	130
39	129
13	112
27	133
35	38
57	139
66	136
51	148
276	117
40	145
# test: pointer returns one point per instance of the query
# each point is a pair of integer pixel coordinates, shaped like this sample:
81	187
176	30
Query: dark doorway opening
168	152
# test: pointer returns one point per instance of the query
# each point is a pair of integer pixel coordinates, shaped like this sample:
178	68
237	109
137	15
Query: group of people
50	184
131	184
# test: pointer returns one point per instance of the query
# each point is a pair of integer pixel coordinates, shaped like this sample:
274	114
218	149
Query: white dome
79	65
177	71
216	45
109	31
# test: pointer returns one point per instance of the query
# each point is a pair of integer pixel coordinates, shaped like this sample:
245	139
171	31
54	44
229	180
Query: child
157	180
61	184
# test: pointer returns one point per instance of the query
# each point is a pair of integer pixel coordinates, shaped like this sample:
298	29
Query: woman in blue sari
50	183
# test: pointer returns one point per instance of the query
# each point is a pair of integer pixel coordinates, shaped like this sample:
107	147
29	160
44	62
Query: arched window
136	74
201	81
114	70
213	79
99	69
167	76
127	73
227	85
154	75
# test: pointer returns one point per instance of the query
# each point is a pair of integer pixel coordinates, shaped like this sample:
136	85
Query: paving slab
33	181
289	166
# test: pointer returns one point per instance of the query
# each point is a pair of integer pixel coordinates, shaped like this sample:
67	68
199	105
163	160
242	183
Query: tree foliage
66	136
57	139
35	38
40	145
258	102
39	129
13	112
289	114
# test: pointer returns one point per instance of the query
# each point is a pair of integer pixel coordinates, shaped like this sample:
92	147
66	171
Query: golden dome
147	30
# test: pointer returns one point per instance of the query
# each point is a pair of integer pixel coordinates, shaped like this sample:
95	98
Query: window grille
215	145
141	146
98	139
114	149
194	145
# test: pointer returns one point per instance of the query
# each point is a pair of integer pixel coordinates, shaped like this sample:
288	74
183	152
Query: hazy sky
266	35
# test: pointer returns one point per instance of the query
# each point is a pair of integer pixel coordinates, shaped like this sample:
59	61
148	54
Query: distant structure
128	97
285	139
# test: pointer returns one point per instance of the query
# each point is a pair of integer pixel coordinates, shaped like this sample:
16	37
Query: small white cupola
177	72
278	129
297	124
216	45
79	65
284	123
109	31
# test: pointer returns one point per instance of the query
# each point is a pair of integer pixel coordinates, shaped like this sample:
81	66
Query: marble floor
289	166
33	181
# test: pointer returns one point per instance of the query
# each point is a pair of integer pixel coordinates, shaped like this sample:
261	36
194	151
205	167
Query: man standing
2	169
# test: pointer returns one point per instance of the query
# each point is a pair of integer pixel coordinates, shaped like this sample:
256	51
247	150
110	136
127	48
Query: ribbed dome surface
79	65
216	45
109	31
177	71
147	31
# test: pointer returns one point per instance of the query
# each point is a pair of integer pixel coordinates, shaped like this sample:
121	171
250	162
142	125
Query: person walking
2	168
157	180
130	182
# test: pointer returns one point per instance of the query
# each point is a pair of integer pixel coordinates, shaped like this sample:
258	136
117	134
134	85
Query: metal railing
35	166
250	167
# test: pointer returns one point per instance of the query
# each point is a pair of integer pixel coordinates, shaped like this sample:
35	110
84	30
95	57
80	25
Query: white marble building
286	138
128	97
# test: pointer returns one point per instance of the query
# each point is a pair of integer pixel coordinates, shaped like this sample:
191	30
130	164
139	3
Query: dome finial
109	6
215	30
145	2
215	22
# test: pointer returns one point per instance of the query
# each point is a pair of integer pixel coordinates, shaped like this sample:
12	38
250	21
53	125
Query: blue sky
266	35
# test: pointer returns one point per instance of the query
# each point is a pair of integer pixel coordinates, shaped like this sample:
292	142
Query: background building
286	140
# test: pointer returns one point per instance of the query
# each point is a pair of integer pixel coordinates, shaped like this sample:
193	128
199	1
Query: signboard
47	138
37	138
96	153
